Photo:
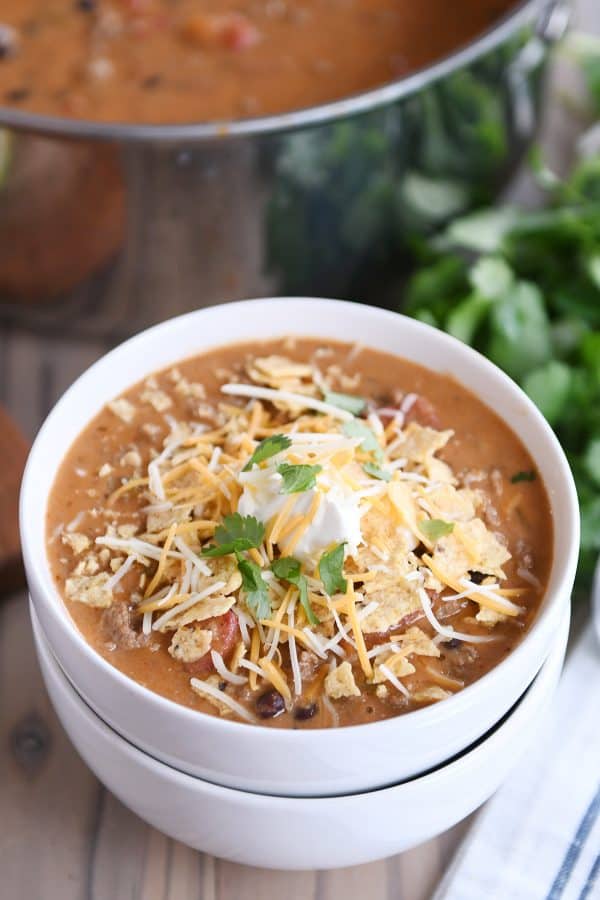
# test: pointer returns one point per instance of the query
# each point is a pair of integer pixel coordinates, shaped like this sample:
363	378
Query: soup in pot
300	533
159	61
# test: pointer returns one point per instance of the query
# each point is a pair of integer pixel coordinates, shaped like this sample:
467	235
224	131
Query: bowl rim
44	589
519	709
521	13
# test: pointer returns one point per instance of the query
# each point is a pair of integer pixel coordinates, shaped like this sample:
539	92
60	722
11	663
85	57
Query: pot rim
365	101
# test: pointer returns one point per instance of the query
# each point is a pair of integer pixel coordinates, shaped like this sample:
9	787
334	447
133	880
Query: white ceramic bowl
290	832
280	761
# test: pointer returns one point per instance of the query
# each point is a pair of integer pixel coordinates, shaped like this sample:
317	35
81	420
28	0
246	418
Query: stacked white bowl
297	798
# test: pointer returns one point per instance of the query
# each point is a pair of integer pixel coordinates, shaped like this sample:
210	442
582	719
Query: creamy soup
300	533
159	61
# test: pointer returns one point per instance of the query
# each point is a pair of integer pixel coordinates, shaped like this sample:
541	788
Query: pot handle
550	28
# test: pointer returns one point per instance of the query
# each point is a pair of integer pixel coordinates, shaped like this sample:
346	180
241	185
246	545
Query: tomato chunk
225	635
232	31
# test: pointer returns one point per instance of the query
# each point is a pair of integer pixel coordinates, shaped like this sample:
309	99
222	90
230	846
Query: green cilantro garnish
370	444
256	588
435	528
236	533
267	448
331	570
376	471
298	478
349	402
288	568
523	476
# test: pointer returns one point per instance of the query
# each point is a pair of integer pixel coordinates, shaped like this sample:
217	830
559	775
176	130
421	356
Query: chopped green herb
377	471
349	402
370	444
434	529
288	568
298	478
267	448
523	476
331	570
236	533
256	588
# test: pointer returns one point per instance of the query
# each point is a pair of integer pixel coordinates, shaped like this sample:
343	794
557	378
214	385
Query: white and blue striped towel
539	836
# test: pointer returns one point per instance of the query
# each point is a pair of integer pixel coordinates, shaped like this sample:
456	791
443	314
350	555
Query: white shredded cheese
449	632
202	687
187	604
223	671
263	393
120	573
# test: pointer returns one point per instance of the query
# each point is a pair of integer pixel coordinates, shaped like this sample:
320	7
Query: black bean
153	81
452	644
17	95
477	577
86	5
302	713
270	704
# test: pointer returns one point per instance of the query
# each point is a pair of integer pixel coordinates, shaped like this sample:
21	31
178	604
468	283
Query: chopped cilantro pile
524	289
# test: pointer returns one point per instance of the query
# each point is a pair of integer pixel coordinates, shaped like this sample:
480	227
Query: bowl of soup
316	140
287	832
298	546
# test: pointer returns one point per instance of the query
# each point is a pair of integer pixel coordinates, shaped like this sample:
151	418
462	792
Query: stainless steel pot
321	201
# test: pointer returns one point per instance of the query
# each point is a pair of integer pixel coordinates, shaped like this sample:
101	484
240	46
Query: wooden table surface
62	835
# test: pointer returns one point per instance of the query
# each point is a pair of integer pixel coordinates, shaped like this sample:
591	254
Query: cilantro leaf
523	476
331	570
376	471
236	533
349	402
256	588
267	448
298	478
435	528
288	569
370	444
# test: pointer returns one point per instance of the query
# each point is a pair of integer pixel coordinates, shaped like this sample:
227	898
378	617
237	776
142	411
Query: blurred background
467	193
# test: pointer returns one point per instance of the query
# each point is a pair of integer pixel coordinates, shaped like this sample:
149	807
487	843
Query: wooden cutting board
13	453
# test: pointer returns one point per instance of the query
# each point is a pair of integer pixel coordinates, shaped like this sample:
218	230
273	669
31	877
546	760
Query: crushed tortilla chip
420	442
217	605
123	409
76	541
340	682
394	603
190	643
90	590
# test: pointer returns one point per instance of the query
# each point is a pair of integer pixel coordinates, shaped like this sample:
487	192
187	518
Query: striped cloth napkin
539	836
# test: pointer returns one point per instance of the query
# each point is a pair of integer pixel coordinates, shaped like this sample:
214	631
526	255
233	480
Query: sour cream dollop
337	518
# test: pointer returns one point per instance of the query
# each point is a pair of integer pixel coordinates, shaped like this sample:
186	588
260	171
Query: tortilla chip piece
90	589
405	506
414	640
190	643
432	694
397	664
393	542
451	557
157	399
420	442
446	503
164	518
395	602
217	605
438	470
340	682
123	409
489	617
486	552
76	541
